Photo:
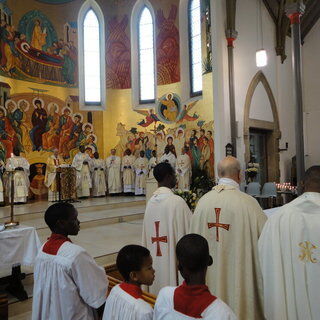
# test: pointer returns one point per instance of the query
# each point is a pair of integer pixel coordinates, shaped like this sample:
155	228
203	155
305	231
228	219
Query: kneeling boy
125	300
192	300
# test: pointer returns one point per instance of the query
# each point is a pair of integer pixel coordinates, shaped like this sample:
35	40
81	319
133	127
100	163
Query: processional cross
217	224
158	238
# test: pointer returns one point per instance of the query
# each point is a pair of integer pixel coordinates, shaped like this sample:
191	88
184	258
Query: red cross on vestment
158	239
217	224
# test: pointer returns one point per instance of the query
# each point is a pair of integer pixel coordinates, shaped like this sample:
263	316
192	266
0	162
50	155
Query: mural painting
34	52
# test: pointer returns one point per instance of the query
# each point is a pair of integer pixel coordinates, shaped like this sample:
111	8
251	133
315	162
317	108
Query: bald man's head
312	179
230	168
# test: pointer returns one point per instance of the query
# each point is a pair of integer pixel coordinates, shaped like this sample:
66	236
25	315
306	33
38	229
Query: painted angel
151	117
184	114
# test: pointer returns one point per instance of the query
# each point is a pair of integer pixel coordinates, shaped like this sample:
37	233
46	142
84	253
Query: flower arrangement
190	197
252	170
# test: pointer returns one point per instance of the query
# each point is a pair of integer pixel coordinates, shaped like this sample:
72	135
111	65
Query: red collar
54	243
192	300
132	289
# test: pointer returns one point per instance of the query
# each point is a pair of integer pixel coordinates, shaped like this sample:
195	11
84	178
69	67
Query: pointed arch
92	69
272	127
143	55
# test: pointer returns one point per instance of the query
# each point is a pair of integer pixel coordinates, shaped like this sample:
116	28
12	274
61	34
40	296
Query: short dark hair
162	170
96	155
192	252
82	149
37	102
16	151
130	258
58	211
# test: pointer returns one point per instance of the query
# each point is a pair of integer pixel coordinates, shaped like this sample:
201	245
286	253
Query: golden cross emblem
307	251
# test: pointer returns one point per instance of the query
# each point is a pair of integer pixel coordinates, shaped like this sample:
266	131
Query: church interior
204	79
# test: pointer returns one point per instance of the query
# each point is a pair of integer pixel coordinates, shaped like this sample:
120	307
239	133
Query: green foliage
201	182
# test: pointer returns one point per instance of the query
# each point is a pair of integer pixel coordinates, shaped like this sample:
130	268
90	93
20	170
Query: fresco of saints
65	128
171	111
23	106
76	131
211	145
37	185
39	122
194	152
38	39
6	133
205	156
50	139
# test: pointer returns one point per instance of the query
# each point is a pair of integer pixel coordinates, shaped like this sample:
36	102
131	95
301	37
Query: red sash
54	243
132	289
192	300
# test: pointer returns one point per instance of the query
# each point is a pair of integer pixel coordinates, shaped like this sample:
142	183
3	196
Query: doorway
259	153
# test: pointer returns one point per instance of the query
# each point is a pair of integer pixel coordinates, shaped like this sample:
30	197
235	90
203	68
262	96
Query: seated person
125	300
68	284
192	300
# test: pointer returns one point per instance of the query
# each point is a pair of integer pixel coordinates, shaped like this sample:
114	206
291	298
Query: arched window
92	79
195	53
146	57
143	55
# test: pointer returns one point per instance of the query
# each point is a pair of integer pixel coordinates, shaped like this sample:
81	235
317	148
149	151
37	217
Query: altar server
68	284
21	168
166	220
128	175
99	186
191	300
232	222
290	255
125	301
113	164
169	156
82	162
184	170
141	169
51	178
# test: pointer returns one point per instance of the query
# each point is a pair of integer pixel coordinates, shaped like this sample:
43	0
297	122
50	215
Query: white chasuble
165	307
82	163
184	172
169	158
50	179
289	249
232	222
151	165
128	174
68	284
99	185
113	164
141	169
126	303
21	178
166	221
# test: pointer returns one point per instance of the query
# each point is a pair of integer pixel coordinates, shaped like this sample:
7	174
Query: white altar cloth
19	245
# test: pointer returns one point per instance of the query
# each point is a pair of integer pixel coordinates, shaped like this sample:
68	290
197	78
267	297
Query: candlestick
11	223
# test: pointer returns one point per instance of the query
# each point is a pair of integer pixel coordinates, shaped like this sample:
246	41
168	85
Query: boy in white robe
232	222
68	284
191	300
99	185
125	300
141	169
169	157
21	168
128	174
289	255
113	164
166	220
82	163
184	170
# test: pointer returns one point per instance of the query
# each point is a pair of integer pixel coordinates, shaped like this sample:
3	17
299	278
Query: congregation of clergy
225	261
94	176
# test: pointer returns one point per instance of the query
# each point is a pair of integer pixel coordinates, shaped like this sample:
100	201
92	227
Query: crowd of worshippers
225	261
97	177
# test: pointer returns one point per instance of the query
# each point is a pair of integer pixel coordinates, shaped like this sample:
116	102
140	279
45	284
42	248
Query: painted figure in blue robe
39	122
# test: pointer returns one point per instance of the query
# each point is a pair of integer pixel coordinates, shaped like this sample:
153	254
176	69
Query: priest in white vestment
125	301
141	169
152	163
51	177
99	185
128	173
21	168
169	157
166	220
232	222
68	284
113	164
184	170
82	163
191	300
290	256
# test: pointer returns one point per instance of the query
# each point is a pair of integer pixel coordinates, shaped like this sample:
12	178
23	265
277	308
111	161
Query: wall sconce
285	149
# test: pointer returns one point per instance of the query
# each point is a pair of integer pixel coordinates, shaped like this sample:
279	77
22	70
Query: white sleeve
219	311
162	307
90	279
